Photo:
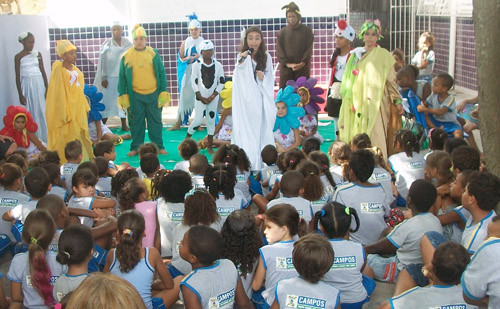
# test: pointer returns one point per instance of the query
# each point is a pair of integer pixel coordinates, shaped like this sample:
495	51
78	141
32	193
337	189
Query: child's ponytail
157	179
75	244
324	165
379	159
131	227
220	178
287	215
335	220
313	186
39	229
293	158
408	142
130	193
9	173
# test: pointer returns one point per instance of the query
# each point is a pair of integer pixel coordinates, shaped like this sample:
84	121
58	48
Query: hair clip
33	240
325	166
347	211
323	213
67	254
291	161
311	173
128	232
300	220
129	168
189	193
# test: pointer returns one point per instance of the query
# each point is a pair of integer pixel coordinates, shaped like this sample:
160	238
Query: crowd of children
274	220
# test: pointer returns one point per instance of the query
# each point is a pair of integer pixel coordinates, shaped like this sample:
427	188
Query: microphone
249	52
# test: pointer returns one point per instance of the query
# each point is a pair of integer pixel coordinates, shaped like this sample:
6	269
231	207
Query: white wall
78	13
10	27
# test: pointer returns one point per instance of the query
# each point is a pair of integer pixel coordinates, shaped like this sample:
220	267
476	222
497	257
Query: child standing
75	250
312	257
241	242
202	248
282	224
11	179
440	108
334	221
134	196
369	200
199	209
67	118
172	187
31	81
424	58
207	80
73	154
407	164
187	148
142	91
31	273
134	263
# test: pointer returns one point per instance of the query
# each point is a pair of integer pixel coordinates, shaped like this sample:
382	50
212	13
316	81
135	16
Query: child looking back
187	148
107	150
202	248
440	108
312	257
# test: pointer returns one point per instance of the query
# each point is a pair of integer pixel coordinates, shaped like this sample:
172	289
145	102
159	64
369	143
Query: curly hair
38	232
47	156
292	158
313	186
131	193
220	178
441	160
131	227
187	148
310	144
234	155
324	165
147	148
466	158
120	179
241	240
200	208
361	141
260	55
173	185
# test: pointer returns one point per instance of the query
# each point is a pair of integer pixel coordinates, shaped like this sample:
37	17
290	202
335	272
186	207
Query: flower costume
284	125
227	126
95	115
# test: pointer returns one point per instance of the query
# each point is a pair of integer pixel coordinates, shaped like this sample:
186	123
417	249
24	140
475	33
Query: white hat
344	30
206	45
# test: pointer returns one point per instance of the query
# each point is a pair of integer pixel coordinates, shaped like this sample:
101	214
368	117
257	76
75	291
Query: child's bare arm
106	228
32	136
259	276
241	297
103	202
449	218
7	216
16	295
156	260
81	212
157	239
434	111
109	260
383	246
191	300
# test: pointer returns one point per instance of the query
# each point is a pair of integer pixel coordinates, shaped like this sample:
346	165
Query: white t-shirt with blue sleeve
417	60
450	103
265	174
382	176
298	293
169	216
104	186
10	198
198	181
436	296
59	191
21	211
372	206
84	202
474	234
407	170
302	205
226	207
242	183
406	237
481	277
67	171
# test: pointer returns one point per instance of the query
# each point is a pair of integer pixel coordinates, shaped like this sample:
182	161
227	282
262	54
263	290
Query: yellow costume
66	111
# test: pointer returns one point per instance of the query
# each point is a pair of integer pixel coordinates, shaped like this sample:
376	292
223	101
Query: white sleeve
219	75
17	212
195	76
475	277
398	236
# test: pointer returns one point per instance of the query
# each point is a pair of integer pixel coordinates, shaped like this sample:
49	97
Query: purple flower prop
313	93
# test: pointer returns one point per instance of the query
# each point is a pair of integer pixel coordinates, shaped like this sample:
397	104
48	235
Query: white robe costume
33	90
254	111
184	70
108	69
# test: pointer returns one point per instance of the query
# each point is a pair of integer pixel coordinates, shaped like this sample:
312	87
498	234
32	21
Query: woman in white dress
106	79
31	82
254	111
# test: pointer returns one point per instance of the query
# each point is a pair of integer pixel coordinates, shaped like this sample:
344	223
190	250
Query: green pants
145	107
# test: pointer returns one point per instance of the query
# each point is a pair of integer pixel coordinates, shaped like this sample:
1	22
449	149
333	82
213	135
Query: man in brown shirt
294	46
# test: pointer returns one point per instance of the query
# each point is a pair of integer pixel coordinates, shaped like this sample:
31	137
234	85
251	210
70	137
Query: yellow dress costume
66	111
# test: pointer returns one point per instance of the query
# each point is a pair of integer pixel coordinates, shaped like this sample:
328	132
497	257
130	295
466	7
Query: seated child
292	186
339	153
321	159
187	148
106	149
404	240
103	185
370	200
440	108
310	144
286	129
172	187
238	158
437	139
12	184
448	264
313	189
465	158
53	170
202	248
198	164
73	154
312	257
20	126
454	142
269	156
144	149
207	80
149	166
480	280
20	158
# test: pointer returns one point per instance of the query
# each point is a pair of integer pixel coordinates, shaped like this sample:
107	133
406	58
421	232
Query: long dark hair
260	54
131	226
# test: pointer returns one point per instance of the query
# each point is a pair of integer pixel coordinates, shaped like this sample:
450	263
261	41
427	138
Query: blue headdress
291	119
193	21
94	97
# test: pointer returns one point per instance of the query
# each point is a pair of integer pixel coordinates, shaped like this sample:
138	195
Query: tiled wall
440	27
225	34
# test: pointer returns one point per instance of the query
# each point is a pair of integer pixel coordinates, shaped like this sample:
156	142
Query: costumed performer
142	91
67	108
207	80
368	91
189	52
254	111
108	67
31	81
286	128
20	126
310	96
294	46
